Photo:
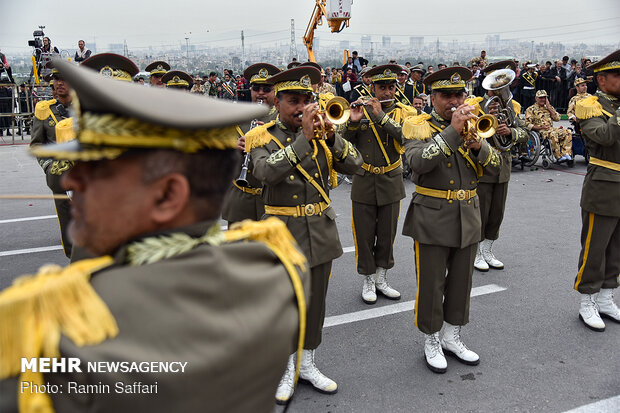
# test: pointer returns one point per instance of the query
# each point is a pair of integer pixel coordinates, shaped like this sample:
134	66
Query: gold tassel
42	110
588	108
417	127
475	102
516	106
259	136
272	232
65	131
36	310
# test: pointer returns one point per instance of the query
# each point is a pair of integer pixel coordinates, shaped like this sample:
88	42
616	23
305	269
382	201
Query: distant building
416	42
117	48
366	45
386	41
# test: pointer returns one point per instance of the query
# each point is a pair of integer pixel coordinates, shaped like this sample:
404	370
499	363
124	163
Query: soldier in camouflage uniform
296	170
444	215
539	117
582	86
493	189
246	202
375	130
46	128
599	260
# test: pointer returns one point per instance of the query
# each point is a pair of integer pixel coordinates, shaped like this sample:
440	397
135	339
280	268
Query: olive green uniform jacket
601	186
240	204
227	310
285	186
438	164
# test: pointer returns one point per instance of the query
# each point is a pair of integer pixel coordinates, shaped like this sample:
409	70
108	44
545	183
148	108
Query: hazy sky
154	22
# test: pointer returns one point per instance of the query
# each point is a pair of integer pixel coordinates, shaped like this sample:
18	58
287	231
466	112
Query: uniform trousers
492	205
561	141
374	230
319	279
63	211
599	259
442	296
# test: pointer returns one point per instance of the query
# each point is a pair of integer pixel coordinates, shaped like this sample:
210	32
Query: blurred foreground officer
177	79
599	260
444	214
539	117
296	170
168	284
157	70
375	130
47	128
244	200
493	189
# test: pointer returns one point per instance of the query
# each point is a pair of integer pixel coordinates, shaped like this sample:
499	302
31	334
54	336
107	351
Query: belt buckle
309	209
376	170
461	194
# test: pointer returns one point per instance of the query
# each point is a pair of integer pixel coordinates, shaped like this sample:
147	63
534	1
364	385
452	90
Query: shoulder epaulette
475	102
516	106
588	108
259	136
37	309
42	109
65	131
417	127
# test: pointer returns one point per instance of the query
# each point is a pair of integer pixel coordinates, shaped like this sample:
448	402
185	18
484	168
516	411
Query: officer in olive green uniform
177	79
444	214
419	88
404	89
46	128
599	260
540	117
493	189
363	89
157	70
244	200
375	130
296	170
168	286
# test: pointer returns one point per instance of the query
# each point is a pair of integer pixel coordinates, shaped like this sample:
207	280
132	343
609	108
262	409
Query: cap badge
106	71
305	81
263	73
176	79
387	73
160	67
456	78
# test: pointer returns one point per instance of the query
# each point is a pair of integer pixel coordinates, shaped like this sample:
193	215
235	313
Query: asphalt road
536	356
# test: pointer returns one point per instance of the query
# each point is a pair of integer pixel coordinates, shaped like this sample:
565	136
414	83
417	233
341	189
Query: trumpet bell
486	126
337	110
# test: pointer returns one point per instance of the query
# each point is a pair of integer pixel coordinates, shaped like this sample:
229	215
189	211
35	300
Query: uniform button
316	175
467	165
449	165
451	181
313	158
307	153
473	182
368	140
295	197
450	201
289	140
367	156
469	202
292	177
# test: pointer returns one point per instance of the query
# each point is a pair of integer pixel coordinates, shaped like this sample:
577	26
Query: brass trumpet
481	127
337	110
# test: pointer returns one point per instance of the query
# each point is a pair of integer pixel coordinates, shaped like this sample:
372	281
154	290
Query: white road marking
7	221
602	406
396	308
30	250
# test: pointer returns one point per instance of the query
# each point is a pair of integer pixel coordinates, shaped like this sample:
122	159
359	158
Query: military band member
527	85
539	117
245	202
147	197
404	90
493	189
363	89
599	260
417	72
324	86
581	85
296	170
375	130
157	70
47	128
228	88
177	79
444	214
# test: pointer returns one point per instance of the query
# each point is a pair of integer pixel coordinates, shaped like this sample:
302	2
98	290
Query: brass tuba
499	82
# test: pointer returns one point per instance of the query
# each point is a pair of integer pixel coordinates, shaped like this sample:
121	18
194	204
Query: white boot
383	287
433	354
588	313
606	306
369	294
286	388
479	263
486	248
310	373
453	345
